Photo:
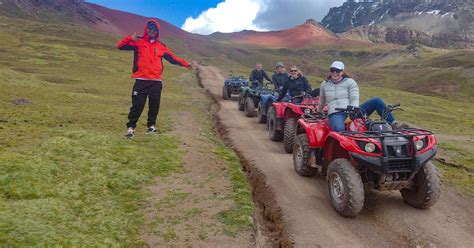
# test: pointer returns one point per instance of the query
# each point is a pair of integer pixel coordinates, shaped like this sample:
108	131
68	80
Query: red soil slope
120	22
309	33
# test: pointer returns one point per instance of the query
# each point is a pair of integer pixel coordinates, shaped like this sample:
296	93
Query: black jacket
295	87
278	79
259	75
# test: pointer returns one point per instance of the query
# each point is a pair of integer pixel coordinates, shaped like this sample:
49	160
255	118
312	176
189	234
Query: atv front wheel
249	107
225	93
302	157
240	102
275	135
261	118
289	134
346	190
426	188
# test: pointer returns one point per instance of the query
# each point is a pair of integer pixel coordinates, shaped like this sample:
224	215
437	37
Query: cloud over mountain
236	15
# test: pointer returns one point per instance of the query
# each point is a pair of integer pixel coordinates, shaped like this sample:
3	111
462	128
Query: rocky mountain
438	23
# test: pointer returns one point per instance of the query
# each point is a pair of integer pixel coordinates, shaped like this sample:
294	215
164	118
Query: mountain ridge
431	23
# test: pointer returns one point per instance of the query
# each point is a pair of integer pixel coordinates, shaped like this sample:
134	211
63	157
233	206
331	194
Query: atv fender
317	132
333	149
280	109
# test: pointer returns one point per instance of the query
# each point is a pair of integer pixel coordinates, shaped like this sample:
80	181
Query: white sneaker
151	129
130	133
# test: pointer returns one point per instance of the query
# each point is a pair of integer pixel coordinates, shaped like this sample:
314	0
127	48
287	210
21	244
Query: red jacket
148	57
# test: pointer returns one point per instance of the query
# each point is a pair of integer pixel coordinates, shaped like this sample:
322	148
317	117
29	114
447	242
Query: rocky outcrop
405	36
429	22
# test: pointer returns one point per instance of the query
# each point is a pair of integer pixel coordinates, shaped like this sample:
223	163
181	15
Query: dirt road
386	220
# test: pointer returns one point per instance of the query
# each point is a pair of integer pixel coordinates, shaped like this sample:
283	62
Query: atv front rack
314	117
406	132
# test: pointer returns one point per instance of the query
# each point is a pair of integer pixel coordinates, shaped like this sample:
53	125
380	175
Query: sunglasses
293	70
335	70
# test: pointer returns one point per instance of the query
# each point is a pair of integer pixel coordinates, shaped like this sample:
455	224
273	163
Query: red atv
282	118
368	155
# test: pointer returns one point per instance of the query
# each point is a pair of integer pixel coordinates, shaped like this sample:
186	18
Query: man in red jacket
148	53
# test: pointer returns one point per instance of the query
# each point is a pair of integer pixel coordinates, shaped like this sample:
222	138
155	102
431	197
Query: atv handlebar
348	109
303	94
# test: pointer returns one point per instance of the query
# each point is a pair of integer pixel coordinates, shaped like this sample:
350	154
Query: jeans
373	104
336	120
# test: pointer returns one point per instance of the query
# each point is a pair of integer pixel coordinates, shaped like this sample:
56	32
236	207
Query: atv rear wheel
289	133
426	188
346	189
240	102
249	107
261	118
225	93
275	135
302	157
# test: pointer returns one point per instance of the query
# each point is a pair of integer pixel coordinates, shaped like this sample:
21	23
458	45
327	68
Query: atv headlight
419	144
369	147
307	111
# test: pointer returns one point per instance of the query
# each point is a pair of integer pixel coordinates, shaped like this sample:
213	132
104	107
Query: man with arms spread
147	71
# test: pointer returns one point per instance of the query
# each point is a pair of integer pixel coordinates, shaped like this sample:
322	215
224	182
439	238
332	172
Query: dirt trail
386	220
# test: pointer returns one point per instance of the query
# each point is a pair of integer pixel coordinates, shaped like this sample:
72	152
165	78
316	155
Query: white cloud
228	16
237	15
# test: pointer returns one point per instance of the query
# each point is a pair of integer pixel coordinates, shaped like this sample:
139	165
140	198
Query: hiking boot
399	125
151	129
130	133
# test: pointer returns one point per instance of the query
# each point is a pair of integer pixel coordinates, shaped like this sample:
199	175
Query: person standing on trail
258	74
296	84
280	76
148	53
340	91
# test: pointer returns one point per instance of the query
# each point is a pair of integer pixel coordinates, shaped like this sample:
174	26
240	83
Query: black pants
141	90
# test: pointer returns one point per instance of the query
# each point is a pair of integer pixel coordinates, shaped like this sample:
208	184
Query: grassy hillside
67	175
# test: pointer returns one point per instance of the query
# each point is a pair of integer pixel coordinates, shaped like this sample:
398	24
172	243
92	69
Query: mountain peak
312	22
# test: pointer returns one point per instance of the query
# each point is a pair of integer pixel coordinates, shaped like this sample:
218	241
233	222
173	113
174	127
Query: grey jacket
338	95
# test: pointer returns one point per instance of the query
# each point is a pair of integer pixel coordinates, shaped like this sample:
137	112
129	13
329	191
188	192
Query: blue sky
173	11
208	16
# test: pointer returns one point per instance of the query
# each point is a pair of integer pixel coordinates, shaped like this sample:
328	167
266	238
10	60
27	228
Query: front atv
233	85
368	155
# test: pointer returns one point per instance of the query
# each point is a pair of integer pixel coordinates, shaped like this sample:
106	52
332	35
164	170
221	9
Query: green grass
240	216
67	175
